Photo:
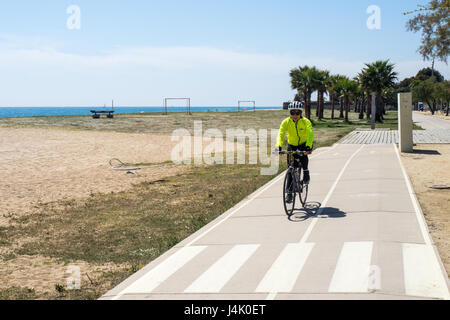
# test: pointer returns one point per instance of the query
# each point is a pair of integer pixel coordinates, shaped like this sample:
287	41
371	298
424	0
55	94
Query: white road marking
432	264
360	195
173	261
213	279
271	296
325	201
417	209
161	272
314	221
422	275
284	271
353	267
275	180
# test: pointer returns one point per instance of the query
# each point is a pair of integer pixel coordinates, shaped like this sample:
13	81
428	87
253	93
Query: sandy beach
45	165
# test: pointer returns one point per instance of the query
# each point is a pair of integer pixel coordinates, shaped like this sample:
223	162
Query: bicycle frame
296	184
295	171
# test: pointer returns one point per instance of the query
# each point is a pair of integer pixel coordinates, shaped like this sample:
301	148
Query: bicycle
297	185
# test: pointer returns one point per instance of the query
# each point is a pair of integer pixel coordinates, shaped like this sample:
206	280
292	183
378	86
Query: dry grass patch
126	229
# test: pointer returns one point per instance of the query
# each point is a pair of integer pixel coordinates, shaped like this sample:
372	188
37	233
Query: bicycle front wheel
303	193
289	189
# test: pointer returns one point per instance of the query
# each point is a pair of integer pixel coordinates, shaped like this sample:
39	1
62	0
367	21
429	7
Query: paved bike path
428	122
363	237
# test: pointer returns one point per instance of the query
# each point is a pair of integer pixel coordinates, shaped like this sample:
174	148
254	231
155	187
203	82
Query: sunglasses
296	113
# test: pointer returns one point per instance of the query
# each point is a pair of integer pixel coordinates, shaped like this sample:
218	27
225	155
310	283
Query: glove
277	150
308	149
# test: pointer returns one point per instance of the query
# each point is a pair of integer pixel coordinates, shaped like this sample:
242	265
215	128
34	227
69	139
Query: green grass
138	225
17	293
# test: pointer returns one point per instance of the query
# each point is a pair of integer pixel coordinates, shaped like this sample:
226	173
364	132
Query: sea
10	112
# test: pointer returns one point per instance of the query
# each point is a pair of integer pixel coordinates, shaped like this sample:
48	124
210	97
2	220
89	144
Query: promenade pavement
435	131
362	235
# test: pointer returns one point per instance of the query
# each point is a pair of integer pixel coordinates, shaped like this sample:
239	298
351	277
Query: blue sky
216	52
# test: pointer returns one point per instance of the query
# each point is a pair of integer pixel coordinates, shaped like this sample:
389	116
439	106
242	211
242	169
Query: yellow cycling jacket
298	133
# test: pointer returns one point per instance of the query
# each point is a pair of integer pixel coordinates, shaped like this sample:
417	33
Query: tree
365	87
359	99
426	73
334	90
305	80
298	82
405	85
433	20
425	91
321	87
377	77
443	93
389	97
349	89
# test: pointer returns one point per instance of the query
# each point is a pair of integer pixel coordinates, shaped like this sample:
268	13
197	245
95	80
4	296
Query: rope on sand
129	167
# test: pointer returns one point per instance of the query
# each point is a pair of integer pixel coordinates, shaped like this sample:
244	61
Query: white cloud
45	75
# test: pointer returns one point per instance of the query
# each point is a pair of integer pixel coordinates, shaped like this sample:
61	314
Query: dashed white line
422	276
213	279
352	269
284	271
161	272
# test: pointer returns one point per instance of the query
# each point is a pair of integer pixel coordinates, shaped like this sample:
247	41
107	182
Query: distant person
300	137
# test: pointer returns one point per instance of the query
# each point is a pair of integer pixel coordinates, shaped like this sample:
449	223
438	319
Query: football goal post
245	102
188	104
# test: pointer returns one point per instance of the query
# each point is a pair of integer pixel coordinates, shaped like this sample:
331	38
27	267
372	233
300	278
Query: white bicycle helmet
296	105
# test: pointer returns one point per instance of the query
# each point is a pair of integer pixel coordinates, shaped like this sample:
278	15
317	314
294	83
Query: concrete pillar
405	133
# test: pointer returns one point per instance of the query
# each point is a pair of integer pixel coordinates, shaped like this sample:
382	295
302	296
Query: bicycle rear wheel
289	189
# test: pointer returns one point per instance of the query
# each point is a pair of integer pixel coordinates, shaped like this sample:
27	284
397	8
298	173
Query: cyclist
300	137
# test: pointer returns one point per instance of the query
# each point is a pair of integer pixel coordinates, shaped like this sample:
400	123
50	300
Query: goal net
245	104
177	103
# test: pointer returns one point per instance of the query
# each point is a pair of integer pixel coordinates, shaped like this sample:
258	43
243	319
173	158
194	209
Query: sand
45	165
429	165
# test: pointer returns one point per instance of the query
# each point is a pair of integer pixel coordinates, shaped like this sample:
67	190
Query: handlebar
297	152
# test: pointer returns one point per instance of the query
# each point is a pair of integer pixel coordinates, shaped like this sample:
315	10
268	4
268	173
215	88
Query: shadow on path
311	209
425	152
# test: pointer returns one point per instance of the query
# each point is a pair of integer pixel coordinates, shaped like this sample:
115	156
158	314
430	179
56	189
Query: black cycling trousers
303	159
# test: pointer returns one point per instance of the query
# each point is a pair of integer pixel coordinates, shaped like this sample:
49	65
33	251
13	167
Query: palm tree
359	104
365	87
349	89
333	90
321	87
378	76
304	80
298	82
